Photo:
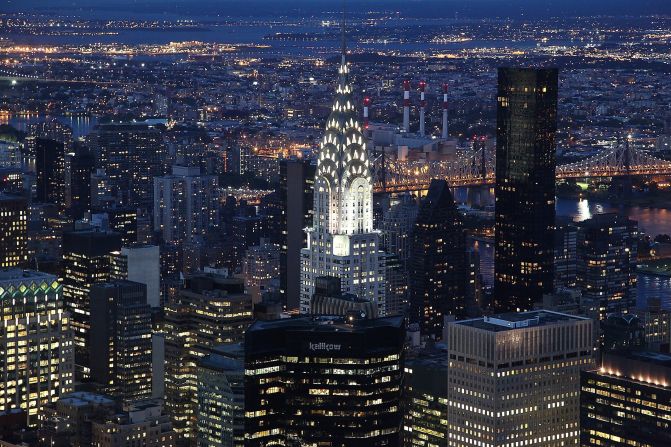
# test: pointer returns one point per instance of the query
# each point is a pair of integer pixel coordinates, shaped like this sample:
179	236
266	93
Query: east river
651	221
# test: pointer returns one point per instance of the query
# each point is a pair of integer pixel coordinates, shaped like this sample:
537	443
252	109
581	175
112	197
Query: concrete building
140	263
37	365
142	423
186	203
514	379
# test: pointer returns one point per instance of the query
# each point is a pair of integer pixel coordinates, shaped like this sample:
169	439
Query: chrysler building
342	242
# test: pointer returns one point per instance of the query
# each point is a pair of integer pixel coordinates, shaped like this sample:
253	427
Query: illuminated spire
342	156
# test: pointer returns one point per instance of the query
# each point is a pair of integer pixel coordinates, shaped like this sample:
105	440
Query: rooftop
326	323
517	320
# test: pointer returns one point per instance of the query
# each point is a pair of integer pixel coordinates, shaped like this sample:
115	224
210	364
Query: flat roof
326	323
518	320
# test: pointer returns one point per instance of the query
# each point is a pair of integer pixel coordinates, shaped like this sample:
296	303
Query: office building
342	241
139	263
67	422
79	166
260	268
132	154
607	254
210	310
328	299
186	203
565	255
49	171
86	261
305	380
525	186
13	231
37	362
120	339
141	423
626	401
438	269
221	397
514	379
425	400
297	197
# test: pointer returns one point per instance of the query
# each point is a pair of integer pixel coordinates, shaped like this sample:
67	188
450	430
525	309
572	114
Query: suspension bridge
476	167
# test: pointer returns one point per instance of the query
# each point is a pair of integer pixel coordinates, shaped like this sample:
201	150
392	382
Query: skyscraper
140	263
209	311
514	379
79	166
49	171
120	339
86	261
297	197
342	241
324	381
132	154
425	400
221	397
525	186
606	268
13	231
186	203
37	365
438	269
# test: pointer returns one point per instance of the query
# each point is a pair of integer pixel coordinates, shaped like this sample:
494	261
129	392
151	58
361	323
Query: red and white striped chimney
422	107
366	104
445	134
406	105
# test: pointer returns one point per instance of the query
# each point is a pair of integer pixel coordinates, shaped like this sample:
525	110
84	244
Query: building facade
607	249
210	310
13	231
438	269
297	197
186	203
120	340
37	362
627	401
525	187
86	261
342	241
324	381
514	379
221	397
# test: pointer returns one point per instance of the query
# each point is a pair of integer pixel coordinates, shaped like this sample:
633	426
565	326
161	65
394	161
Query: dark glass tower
525	186
324	382
438	272
296	195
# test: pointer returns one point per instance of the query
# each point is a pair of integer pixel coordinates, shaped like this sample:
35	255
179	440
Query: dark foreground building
627	402
324	381
525	186
438	272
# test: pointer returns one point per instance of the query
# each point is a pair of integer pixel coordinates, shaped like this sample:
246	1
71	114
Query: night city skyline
327	223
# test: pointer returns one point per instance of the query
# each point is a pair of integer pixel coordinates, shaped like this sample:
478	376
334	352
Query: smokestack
406	106
422	107
366	104
445	111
